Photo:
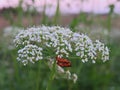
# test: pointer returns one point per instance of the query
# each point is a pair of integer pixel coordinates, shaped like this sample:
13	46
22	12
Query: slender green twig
51	78
57	14
44	20
38	77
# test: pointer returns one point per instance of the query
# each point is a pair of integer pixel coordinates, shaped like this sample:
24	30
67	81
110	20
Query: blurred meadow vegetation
98	76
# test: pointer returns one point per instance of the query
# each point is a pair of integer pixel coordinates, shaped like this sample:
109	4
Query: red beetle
63	62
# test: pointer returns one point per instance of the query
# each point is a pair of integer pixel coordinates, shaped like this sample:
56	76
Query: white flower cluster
87	49
30	53
103	49
61	41
84	47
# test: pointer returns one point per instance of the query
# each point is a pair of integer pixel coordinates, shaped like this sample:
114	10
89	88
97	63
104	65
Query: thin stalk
109	21
74	57
51	78
38	77
44	20
30	19
20	15
80	68
56	17
15	68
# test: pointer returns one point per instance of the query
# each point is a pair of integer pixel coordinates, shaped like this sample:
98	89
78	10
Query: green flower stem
16	69
52	75
74	57
38	77
80	68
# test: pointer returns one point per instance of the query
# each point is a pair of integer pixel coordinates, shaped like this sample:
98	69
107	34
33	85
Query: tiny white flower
93	61
78	54
68	74
74	76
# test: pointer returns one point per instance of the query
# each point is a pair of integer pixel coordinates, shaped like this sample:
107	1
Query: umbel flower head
45	42
37	43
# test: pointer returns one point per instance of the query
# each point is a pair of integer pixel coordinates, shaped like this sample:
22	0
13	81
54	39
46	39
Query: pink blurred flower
110	2
100	7
2	4
87	6
13	3
65	6
8	4
51	7
27	4
39	5
117	8
70	6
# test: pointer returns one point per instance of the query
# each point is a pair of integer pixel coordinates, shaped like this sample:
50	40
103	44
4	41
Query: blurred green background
98	76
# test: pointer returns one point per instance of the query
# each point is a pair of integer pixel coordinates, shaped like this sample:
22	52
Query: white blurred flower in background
8	35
